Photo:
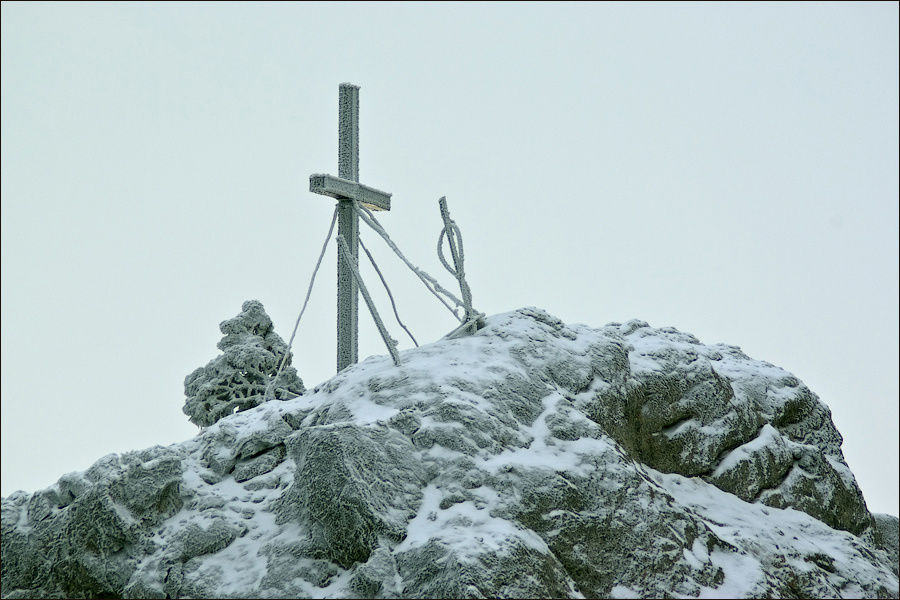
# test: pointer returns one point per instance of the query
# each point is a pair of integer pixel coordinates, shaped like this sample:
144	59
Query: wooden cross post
346	188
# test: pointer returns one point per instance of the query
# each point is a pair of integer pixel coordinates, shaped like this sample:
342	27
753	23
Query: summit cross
345	188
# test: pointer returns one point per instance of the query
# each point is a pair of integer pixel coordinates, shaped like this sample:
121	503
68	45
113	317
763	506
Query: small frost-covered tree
238	379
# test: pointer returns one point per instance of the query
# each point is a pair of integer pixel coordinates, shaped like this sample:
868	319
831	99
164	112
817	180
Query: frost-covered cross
346	188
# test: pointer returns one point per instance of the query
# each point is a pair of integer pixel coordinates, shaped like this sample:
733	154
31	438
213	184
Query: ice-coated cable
388	290
430	282
390	342
312	280
453	235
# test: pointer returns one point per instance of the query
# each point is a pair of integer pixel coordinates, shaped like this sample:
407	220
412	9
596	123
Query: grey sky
730	170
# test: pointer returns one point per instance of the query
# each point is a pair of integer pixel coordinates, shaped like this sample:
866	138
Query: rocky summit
531	459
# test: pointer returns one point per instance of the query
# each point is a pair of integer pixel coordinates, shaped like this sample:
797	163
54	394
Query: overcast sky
729	170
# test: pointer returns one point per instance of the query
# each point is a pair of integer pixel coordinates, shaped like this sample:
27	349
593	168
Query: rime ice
239	378
530	459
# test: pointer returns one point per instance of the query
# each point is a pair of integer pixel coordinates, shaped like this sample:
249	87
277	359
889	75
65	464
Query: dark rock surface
531	459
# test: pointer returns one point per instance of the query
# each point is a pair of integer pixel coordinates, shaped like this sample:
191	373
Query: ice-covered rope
453	235
430	282
388	290
390	342
454	231
466	328
305	302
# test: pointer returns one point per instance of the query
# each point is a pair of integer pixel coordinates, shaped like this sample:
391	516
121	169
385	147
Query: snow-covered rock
533	458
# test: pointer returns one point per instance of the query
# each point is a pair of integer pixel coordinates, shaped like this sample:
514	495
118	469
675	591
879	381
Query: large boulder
531	459
83	536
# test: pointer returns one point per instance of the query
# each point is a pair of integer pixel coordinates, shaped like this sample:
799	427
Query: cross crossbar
345	189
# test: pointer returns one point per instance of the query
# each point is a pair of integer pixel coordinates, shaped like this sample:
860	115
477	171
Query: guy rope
355	202
470	319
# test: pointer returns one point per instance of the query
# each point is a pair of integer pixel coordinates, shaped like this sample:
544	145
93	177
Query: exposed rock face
531	459
887	530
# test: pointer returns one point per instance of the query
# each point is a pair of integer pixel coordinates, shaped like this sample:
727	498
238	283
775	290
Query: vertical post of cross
348	226
347	190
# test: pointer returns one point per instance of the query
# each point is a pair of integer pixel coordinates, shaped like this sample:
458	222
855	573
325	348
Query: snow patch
467	529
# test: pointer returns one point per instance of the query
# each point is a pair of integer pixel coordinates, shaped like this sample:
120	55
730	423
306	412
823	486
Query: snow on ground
372	393
758	529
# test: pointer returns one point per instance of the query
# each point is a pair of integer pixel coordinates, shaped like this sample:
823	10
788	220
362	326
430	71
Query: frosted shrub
237	380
